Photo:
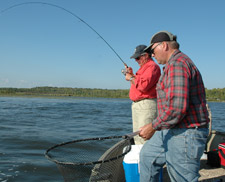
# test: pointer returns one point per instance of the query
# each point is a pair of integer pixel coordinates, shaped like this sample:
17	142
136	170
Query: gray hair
174	44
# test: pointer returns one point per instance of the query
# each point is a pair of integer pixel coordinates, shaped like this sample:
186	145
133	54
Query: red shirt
145	81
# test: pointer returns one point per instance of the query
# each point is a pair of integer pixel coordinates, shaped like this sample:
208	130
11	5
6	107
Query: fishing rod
71	13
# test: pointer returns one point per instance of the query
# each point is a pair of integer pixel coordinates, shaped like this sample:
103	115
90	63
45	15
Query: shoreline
71	96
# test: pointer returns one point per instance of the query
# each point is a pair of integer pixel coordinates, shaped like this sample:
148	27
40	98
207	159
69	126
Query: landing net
92	159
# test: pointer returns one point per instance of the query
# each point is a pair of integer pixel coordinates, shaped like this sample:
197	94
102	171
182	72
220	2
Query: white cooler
131	164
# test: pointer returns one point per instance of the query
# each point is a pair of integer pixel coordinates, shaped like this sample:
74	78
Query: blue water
29	126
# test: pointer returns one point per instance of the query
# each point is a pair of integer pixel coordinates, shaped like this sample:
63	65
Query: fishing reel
124	71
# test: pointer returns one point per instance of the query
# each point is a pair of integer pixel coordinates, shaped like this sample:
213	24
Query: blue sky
41	45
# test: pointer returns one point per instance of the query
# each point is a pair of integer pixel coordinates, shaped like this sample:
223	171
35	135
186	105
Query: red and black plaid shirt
181	95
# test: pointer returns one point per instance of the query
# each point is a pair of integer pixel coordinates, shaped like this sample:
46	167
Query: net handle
131	135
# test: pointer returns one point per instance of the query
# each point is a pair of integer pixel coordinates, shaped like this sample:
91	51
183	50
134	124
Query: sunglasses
152	50
139	57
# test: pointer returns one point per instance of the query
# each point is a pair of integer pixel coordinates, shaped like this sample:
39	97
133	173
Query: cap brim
148	49
134	56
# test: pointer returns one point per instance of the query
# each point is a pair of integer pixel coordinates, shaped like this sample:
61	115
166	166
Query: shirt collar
171	57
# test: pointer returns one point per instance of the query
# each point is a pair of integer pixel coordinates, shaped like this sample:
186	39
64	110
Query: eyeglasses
139	57
152	50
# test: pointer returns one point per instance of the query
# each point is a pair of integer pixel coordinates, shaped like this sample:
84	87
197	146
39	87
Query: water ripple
29	126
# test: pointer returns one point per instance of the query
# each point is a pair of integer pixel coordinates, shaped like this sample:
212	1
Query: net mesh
91	160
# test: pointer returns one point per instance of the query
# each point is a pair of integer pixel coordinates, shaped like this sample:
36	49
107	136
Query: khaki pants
143	112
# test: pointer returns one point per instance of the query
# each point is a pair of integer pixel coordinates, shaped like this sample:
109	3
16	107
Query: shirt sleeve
175	96
147	79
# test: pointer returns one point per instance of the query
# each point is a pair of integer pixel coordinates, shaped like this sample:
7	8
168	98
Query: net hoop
128	148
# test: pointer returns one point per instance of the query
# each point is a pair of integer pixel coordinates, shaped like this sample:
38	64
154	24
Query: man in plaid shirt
178	134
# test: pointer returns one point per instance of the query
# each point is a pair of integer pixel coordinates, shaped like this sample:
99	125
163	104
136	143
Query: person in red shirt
143	90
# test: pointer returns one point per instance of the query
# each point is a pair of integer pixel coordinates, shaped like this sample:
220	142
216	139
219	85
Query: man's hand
129	70
147	131
129	74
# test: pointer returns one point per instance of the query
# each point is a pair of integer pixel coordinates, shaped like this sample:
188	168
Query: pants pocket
196	141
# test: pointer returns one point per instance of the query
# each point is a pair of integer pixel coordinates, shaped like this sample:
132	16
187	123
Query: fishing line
71	13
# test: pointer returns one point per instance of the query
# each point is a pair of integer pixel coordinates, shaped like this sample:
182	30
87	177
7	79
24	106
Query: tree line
216	94
64	91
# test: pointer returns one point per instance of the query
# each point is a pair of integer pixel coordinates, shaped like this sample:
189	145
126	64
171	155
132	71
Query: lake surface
29	126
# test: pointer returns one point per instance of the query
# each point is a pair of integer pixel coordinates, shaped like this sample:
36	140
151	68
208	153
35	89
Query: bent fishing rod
71	13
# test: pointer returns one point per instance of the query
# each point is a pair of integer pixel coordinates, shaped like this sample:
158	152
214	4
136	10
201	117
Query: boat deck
208	174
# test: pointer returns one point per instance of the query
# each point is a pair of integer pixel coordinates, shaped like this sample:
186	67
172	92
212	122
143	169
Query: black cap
160	37
139	50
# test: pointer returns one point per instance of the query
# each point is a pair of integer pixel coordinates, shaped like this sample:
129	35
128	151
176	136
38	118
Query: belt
138	100
202	126
143	99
